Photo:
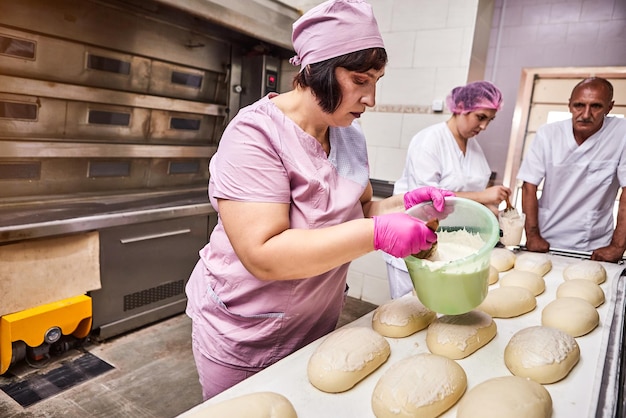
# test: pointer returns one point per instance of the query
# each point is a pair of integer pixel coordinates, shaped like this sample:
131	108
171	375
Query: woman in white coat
447	155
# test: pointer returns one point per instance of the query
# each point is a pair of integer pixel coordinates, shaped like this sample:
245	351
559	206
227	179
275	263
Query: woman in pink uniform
290	182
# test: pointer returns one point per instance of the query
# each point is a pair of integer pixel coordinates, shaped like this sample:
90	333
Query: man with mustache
582	163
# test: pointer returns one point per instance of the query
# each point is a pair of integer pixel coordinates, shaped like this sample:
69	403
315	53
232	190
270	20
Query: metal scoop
432	224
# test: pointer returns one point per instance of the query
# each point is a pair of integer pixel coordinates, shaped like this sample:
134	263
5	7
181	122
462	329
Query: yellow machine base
71	315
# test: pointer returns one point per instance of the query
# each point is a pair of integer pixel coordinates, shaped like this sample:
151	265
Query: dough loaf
502	259
494	275
458	336
508	301
528	279
346	357
585	269
253	405
538	263
581	288
424	385
541	353
506	396
401	317
575	316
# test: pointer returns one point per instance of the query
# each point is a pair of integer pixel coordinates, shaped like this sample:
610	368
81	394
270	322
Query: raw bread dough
544	354
502	259
581	288
538	263
458	336
575	316
531	281
494	275
424	385
585	269
508	301
346	357
253	405
506	396
402	317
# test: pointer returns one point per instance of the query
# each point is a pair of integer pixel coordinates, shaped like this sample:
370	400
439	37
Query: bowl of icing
455	278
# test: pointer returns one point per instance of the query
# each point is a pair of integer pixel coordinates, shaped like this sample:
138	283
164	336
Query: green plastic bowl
458	286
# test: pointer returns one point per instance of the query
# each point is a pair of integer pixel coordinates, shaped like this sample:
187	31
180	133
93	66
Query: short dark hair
320	76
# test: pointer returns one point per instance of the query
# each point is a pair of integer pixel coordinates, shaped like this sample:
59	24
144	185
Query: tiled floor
154	375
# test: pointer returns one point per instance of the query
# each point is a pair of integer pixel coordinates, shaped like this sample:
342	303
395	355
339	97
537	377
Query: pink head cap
332	29
472	96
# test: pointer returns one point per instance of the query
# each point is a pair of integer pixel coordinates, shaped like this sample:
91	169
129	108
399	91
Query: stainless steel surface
267	20
591	389
37	219
72	92
110	111
144	270
610	396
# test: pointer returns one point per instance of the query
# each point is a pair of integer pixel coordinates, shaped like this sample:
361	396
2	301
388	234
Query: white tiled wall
435	45
429	44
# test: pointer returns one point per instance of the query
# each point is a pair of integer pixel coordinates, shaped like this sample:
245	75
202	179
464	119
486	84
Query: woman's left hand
425	194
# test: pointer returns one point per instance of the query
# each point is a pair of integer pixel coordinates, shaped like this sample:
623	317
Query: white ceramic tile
375	290
372	154
419	14
372	264
449	77
442	47
355	281
383	13
382	129
462	13
407	86
413	123
400	48
389	163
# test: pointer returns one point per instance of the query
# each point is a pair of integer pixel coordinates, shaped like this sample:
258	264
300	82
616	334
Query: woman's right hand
495	195
401	235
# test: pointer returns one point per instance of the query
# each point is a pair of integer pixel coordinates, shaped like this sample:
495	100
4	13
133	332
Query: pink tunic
264	156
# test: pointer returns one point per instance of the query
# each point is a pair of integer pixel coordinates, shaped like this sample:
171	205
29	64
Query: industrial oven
109	114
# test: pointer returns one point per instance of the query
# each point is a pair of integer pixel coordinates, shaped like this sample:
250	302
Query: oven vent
14	47
155	294
20	171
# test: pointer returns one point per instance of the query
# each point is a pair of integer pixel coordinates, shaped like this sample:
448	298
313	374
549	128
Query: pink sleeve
247	166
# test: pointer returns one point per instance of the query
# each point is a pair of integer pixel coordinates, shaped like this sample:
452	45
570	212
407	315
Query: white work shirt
580	182
435	159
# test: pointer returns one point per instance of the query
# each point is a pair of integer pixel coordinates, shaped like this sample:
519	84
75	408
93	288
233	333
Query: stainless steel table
592	389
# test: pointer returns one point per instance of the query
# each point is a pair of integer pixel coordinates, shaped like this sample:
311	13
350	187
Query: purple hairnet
472	96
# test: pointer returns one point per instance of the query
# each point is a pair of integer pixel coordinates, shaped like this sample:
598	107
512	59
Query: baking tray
591	389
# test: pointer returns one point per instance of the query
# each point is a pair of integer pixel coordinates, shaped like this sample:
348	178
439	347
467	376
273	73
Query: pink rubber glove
401	235
424	194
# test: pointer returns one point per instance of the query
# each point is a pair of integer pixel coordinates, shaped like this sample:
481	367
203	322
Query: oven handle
155	236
